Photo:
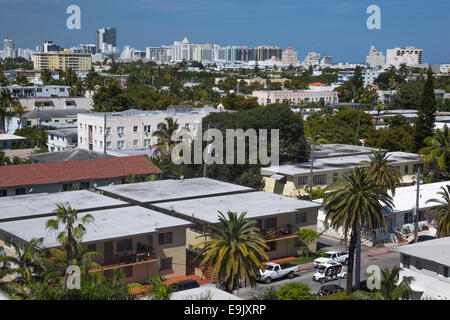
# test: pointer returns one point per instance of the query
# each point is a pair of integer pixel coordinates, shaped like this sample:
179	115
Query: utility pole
37	128
311	178
416	212
358	259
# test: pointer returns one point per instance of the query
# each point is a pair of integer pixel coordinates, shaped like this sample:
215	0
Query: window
120	130
417	166
108	145
108	131
166	264
124	245
135	143
120	144
418	264
272	246
92	247
147	129
20	191
303	180
409	217
406	261
165	238
67	186
445	273
335	177
146	143
406	169
135	129
128	271
270	223
81	126
3	193
300	218
320	180
100	129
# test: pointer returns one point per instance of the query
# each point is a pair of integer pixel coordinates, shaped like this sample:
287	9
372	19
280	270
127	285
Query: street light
417	183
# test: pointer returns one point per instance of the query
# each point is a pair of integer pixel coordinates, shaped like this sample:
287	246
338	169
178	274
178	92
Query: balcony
128	260
288	232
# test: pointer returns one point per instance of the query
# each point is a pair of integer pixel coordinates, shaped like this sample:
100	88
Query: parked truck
341	257
276	271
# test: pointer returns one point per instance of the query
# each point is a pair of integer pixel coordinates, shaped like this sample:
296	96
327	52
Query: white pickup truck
341	257
275	271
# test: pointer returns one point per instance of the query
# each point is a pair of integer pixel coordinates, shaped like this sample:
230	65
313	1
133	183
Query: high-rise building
8	44
8	49
289	57
408	55
317	59
106	40
158	54
375	59
62	61
263	53
49	46
183	50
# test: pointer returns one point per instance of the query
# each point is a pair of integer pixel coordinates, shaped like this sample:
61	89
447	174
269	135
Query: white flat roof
336	163
405	197
7	136
108	224
32	205
168	190
256	204
437	250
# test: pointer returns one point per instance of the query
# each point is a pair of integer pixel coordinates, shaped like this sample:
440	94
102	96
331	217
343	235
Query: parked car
422	238
329	272
328	289
341	257
185	285
276	271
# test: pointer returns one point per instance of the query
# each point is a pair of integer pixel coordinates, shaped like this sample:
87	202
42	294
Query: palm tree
6	104
438	148
354	201
25	267
164	133
390	289
73	231
234	250
441	212
384	175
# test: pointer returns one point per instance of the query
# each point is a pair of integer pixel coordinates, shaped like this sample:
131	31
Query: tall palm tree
233	251
25	266
354	201
164	133
438	148
384	175
390	288
73	230
7	102
441	212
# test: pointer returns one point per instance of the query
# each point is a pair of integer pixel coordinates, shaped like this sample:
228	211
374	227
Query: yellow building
62	61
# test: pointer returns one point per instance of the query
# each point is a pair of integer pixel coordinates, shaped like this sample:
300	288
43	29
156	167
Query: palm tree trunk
351	260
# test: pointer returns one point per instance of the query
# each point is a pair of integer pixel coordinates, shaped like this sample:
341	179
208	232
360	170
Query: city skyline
336	29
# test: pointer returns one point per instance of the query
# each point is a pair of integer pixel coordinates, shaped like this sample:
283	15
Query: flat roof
338	150
437	250
336	163
7	136
256	204
107	224
43	204
170	190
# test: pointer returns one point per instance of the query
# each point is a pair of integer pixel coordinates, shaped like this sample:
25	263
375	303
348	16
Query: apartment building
325	95
293	179
62	139
428	262
289	57
408	55
375	59
18	91
141	242
133	129
63	176
62	61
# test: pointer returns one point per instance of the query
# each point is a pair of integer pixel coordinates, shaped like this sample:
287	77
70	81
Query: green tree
438	149
306	237
234	250
159	290
441	212
164	134
353	202
426	113
390	289
46	77
295	291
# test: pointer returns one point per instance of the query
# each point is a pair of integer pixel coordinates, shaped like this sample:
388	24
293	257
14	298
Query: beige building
408	55
326	95
293	179
62	61
137	240
289	57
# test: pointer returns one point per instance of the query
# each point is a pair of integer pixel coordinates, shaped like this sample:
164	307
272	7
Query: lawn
304	259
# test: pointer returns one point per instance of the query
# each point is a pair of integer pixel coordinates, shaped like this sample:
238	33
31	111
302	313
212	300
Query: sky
333	27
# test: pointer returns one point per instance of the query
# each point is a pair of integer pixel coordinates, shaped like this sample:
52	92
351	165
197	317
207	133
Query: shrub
294	291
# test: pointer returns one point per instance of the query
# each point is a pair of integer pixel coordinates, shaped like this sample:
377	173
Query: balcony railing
128	260
287	232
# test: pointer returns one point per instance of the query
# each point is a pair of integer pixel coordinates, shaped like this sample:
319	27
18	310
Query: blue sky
337	27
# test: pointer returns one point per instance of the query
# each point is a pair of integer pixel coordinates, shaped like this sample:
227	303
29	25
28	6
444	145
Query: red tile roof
75	170
317	84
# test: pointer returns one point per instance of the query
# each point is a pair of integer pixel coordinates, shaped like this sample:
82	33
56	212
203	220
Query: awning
277	177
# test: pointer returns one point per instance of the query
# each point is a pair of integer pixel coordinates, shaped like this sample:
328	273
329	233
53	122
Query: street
380	257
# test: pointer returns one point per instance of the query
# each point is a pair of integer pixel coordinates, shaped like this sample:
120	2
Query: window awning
277	177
